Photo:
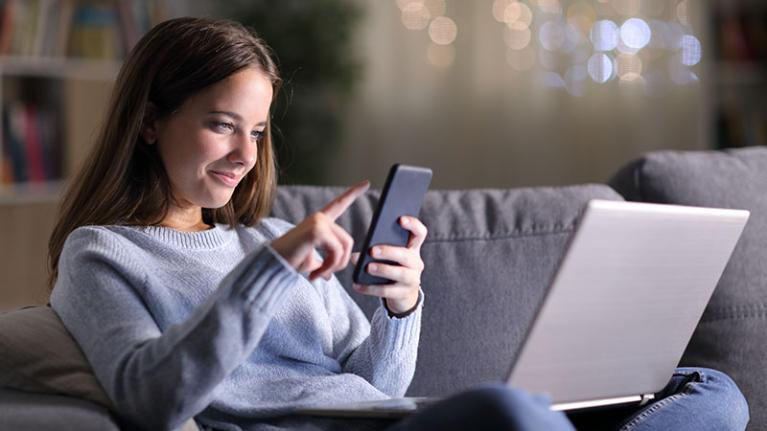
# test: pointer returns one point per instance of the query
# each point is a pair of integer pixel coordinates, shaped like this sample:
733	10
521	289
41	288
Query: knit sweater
215	325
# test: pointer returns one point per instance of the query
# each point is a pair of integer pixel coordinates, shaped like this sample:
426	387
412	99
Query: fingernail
405	221
376	251
372	267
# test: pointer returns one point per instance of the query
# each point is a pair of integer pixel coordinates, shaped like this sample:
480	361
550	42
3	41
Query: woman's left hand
402	295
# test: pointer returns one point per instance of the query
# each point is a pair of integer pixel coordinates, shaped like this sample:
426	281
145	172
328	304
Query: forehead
247	92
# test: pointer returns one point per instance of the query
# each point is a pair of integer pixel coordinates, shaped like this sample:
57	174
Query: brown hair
123	180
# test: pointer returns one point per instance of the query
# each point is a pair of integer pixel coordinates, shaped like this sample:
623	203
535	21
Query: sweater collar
215	237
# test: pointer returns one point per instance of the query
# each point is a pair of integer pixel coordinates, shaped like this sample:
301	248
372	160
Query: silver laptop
620	311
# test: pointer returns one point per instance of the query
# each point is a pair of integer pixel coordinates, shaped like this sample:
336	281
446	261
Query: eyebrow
235	115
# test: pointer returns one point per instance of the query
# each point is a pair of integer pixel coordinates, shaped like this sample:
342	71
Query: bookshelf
739	72
58	62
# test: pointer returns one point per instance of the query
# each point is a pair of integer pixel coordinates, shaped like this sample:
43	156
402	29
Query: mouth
227	178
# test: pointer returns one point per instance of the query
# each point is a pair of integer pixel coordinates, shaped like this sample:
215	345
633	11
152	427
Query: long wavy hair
123	180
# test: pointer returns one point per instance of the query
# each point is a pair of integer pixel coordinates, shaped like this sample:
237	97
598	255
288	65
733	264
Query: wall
480	123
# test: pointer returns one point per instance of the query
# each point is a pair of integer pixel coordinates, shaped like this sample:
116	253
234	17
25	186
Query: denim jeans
695	399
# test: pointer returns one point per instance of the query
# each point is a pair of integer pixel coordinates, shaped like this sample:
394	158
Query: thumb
309	264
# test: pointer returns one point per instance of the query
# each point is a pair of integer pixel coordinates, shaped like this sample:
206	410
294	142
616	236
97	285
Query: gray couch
489	258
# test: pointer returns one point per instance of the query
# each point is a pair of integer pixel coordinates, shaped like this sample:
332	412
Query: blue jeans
696	399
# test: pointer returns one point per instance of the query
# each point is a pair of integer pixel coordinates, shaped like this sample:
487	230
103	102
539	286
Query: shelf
60	68
48	192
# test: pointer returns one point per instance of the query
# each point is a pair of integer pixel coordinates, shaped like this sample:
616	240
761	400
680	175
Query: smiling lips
228	178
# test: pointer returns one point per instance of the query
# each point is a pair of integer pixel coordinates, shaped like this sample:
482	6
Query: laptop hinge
646	399
579	405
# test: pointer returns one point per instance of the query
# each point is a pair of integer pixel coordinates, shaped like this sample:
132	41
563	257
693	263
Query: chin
215	202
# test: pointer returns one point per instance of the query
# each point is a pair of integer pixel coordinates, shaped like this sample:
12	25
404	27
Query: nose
244	152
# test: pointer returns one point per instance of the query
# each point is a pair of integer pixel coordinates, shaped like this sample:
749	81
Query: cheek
190	155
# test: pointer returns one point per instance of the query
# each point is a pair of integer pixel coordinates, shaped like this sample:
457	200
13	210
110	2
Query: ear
149	126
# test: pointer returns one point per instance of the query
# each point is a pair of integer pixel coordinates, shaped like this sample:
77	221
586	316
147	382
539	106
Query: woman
189	303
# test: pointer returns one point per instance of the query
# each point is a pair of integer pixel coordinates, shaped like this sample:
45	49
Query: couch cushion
49	375
41	412
489	255
39	355
730	337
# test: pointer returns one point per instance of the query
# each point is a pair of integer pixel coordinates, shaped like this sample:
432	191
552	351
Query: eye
222	126
257	135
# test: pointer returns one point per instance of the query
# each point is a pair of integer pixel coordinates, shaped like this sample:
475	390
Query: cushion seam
734	316
499	236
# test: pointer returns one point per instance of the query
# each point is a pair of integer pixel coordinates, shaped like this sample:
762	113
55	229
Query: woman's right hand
320	231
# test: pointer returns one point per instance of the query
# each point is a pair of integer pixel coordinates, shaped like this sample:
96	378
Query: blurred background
488	93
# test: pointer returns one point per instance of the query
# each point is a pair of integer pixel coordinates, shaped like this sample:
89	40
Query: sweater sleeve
157	380
383	351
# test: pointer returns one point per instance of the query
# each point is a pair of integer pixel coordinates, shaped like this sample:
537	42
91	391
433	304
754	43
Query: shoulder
272	227
104	242
89	237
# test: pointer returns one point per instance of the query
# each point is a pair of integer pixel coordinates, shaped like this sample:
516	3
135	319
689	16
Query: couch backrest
489	255
730	336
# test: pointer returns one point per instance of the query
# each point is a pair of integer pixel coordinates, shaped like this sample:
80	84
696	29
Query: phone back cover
402	195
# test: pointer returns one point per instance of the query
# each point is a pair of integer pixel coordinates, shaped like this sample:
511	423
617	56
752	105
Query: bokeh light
517	13
628	66
604	35
415	16
681	12
402	4
435	7
580	43
516	38
600	68
635	33
443	30
499	9
690	50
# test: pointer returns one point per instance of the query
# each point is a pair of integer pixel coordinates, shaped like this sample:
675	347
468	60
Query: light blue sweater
216	325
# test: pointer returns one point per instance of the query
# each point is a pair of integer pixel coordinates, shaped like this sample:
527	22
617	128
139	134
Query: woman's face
209	144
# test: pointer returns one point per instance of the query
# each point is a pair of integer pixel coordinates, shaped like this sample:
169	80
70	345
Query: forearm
388	355
159	380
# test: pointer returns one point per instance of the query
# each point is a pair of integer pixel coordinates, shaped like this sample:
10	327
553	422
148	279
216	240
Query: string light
442	30
573	41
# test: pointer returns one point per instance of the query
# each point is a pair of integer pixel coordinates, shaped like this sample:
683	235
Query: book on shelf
30	151
104	30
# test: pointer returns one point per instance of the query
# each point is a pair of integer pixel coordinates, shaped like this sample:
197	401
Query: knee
733	402
514	409
727	402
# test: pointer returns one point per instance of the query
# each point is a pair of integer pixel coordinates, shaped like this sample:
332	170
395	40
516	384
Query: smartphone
402	194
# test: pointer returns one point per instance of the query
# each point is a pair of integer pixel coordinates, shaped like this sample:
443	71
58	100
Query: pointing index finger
337	206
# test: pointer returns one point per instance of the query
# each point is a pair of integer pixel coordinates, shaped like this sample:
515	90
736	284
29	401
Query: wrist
402	307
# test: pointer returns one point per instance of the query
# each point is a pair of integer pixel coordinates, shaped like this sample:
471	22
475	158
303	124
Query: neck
185	220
